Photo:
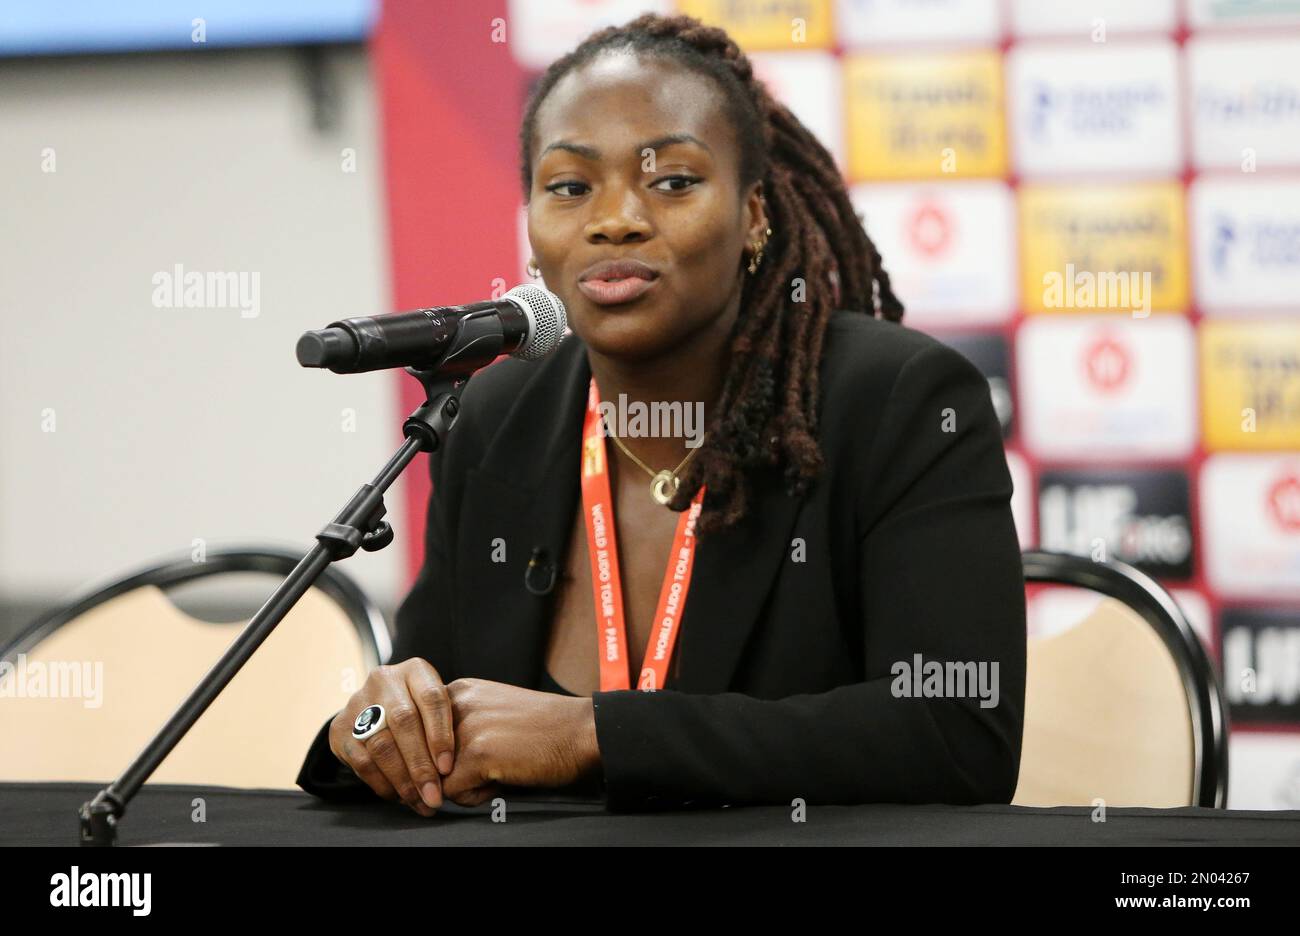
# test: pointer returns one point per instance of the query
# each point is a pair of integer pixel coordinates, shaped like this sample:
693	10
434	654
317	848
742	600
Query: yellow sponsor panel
775	24
1250	385
933	115
1103	248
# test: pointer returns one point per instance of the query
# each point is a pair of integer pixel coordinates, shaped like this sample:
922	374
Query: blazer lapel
525	491
734	572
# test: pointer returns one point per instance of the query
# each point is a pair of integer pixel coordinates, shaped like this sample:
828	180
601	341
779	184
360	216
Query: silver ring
368	722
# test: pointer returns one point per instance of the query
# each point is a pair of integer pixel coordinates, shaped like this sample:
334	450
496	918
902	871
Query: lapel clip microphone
539	577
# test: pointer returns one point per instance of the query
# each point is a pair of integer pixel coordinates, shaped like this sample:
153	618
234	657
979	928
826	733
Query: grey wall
176	424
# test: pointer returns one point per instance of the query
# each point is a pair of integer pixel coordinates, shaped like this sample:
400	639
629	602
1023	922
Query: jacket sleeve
940	576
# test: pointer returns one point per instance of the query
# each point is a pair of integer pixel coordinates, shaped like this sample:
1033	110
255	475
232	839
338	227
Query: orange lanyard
607	588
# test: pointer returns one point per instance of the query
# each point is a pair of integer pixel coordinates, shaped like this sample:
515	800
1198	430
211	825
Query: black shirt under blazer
782	680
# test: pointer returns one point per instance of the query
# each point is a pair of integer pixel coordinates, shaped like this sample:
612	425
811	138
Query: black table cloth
46	814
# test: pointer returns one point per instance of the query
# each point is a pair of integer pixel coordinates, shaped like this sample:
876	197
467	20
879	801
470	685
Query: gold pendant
664	486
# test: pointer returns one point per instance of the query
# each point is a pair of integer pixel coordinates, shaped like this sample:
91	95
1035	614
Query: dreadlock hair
767	413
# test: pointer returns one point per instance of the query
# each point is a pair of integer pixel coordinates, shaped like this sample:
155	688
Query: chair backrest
91	683
1124	707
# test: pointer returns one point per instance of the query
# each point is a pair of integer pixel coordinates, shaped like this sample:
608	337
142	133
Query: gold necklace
663	484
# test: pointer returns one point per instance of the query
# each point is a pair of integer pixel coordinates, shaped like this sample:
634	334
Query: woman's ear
756	214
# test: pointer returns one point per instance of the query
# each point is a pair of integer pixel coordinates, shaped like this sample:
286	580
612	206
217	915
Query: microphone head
546	320
325	347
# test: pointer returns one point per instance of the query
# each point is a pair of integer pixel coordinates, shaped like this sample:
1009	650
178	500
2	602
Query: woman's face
609	184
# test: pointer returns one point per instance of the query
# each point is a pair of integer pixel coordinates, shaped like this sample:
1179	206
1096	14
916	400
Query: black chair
125	653
1110	633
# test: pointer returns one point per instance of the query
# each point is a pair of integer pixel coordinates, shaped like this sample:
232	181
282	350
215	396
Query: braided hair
767	413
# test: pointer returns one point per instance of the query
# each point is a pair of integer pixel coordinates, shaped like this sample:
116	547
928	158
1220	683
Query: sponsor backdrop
1098	202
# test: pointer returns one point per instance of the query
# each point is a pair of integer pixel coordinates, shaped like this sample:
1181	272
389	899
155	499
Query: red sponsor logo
1107	364
1284	502
929	230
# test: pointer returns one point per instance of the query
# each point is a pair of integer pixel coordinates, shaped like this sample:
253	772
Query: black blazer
784	684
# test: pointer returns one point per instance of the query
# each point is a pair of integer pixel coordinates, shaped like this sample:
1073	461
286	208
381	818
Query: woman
784	587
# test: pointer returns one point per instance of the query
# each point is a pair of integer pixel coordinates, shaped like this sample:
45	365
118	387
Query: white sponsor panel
1095	108
860	23
1246	243
810	84
1107	387
1250	518
539	33
1096	18
1022	499
1264	770
1245	102
1227	14
946	247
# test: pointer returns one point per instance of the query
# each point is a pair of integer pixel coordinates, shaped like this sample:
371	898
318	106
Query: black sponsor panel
1260	650
1141	516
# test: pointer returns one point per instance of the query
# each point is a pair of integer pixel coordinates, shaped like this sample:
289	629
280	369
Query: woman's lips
612	292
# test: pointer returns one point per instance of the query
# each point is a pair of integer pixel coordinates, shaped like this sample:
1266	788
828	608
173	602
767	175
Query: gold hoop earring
757	257
533	269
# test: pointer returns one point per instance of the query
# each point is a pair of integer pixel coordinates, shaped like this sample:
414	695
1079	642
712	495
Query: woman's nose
617	216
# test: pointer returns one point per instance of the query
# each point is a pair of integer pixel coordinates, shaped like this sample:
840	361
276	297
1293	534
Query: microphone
527	322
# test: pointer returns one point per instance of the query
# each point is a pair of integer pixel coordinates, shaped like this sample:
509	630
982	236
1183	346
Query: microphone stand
359	524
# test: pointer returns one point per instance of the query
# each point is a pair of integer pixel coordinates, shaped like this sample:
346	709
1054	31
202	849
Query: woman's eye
554	187
688	180
677	183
